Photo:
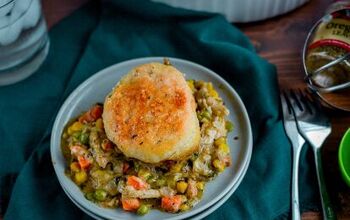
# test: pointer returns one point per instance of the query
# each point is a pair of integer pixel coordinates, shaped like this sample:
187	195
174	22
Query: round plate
96	88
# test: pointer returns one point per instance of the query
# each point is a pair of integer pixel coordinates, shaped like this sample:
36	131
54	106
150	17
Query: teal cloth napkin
104	33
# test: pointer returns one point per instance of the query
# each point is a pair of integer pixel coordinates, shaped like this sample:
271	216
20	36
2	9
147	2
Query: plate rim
246	121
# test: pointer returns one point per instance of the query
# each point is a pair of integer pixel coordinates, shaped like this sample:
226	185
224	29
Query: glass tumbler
24	42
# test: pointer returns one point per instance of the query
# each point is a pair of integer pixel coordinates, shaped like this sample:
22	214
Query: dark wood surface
280	41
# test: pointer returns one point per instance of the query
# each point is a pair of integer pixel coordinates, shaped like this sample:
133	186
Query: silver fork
297	142
315	127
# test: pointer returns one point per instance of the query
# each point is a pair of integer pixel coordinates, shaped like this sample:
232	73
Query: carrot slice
137	183
171	203
83	162
92	115
96	112
130	204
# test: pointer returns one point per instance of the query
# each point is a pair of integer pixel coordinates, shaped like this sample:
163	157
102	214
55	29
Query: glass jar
326	56
24	42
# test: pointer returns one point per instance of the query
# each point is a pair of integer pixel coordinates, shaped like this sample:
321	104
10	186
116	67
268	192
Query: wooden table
280	41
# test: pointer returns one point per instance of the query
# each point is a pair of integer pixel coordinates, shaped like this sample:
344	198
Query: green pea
143	210
229	126
204	120
171	182
100	195
84	138
161	182
76	134
199	116
206	114
90	196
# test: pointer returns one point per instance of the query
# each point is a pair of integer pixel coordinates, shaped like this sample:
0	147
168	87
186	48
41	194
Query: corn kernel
190	84
76	126
218	165
99	123
212	92
219	141
80	177
75	167
177	168
184	207
224	148
200	185
181	186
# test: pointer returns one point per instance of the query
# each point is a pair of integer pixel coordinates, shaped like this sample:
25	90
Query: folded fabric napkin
104	33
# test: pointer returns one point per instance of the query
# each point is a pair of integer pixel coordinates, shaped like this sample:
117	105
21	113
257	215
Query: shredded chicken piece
131	192
192	190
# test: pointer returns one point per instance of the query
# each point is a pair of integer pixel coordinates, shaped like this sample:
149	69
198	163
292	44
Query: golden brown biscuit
151	114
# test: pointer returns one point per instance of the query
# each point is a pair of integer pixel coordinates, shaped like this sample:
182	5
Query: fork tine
295	103
285	106
305	101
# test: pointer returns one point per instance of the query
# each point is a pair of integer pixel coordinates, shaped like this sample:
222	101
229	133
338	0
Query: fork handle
295	187
328	211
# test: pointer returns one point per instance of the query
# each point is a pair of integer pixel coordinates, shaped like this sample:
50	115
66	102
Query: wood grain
280	41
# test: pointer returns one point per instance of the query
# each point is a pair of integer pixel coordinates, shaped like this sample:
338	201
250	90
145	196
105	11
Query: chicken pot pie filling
112	180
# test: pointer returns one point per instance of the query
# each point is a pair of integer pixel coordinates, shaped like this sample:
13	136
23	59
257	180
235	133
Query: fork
315	127
297	142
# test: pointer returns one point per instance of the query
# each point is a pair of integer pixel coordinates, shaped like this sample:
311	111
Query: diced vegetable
181	186
92	115
219	141
171	182
137	183
84	138
184	207
75	167
161	182
176	168
212	92
96	112
190	84
130	204
224	148
106	145
99	123
206	114
90	196
171	203
218	165
84	162
143	210
100	195
229	126
144	174
200	185
76	126
80	177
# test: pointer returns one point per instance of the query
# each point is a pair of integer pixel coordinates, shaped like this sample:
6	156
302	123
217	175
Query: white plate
95	89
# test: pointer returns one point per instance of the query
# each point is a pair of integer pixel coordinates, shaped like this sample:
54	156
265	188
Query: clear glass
24	41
